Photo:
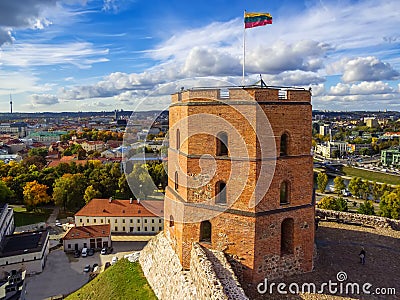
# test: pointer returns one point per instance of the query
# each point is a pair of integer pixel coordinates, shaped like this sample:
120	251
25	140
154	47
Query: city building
124	216
390	157
371	122
332	149
27	251
6	221
324	129
94	236
18	129
46	137
262	218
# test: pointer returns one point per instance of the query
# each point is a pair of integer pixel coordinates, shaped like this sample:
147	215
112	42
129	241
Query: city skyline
105	55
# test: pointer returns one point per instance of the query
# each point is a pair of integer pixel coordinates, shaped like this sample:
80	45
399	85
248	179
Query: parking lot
64	274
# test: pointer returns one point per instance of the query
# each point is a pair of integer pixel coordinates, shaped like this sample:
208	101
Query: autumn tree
35	194
68	191
339	185
91	193
389	206
322	181
366	208
5	192
140	181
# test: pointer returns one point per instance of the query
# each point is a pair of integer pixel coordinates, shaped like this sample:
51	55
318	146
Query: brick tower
241	178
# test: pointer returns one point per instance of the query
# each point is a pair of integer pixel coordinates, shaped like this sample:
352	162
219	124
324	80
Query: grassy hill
124	280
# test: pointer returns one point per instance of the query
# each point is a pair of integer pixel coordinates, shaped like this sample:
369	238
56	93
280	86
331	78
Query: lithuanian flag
256	19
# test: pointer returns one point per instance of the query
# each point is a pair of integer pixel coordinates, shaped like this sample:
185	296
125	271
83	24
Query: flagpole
244	48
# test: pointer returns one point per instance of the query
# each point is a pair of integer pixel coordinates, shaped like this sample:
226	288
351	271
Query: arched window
171	221
178	139
284	193
222	144
287	236
220	192
205	231
176	181
284	144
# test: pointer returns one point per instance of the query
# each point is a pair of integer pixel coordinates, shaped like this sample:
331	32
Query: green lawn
23	217
124	280
372	176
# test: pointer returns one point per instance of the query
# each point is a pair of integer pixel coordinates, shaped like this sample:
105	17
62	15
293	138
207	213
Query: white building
95	237
6	221
124	216
27	251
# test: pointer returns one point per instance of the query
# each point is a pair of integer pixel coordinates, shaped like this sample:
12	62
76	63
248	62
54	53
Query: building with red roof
124	216
95	237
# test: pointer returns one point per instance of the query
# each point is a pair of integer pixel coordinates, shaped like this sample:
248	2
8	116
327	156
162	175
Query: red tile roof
122	208
85	232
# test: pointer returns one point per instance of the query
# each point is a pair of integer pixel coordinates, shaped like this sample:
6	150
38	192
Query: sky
102	55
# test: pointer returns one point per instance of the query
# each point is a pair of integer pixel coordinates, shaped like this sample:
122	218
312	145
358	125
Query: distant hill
124	280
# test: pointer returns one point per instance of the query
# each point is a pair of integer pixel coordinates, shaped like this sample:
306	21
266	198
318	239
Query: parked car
84	252
90	252
77	253
103	251
95	267
114	260
58	223
107	265
86	269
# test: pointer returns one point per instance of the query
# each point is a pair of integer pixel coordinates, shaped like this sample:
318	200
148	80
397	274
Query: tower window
205	231
178	139
220	192
222	144
287	236
284	193
171	221
176	181
284	144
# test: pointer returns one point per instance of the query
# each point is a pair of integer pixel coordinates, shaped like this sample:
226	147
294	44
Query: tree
332	203
322	181
5	192
43	152
140	182
389	205
366	208
91	193
68	191
355	186
339	185
35	194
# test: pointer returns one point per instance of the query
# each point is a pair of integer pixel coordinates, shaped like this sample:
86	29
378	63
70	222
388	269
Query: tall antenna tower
10	104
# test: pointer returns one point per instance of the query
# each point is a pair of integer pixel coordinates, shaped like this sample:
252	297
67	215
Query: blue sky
83	55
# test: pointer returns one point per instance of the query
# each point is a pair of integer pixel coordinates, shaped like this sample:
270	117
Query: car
84	252
90	252
95	267
77	253
58	223
103	251
86	269
107	265
114	260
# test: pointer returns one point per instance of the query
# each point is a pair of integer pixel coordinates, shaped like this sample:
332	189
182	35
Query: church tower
241	178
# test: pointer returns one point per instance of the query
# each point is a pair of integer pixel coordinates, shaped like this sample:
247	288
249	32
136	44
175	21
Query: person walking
362	256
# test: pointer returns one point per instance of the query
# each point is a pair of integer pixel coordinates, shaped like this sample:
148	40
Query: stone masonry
364	220
210	275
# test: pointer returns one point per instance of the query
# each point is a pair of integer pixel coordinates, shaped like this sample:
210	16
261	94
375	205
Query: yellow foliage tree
34	194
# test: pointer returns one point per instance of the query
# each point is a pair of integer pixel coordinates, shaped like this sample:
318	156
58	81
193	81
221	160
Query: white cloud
203	61
363	69
80	54
44	99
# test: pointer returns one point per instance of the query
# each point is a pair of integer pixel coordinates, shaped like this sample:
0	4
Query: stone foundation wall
207	278
358	218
